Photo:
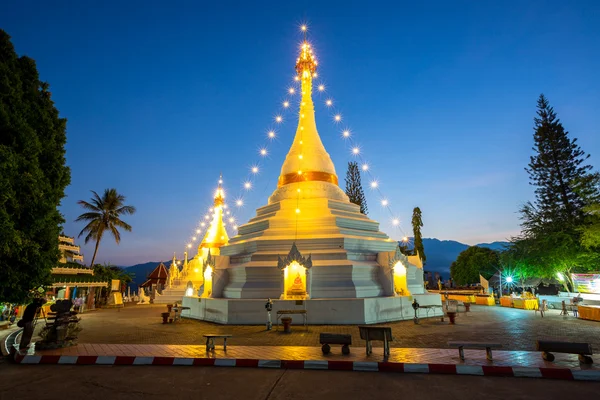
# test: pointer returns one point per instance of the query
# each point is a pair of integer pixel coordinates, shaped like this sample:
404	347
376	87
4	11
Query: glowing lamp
279	118
235	227
303	28
189	246
395	222
196	270
291	90
405	239
286	104
321	88
247	185
198	231
399	268
329	103
346	133
231	220
255	170
384	202
203	224
337	118
374	184
263	152
271	134
355	150
194	238
365	167
509	279
297	211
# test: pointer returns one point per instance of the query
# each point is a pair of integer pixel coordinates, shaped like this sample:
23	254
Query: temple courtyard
514	329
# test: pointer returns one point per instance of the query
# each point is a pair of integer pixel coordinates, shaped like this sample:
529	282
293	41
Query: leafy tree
417	224
590	231
354	188
472	262
33	176
104	214
552	244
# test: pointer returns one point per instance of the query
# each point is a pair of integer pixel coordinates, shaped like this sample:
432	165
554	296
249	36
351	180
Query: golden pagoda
309	247
215	237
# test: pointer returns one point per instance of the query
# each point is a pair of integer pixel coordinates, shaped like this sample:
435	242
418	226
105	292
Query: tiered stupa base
372	310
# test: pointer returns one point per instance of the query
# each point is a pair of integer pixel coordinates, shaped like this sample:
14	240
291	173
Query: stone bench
382	333
547	347
210	340
474	345
335	338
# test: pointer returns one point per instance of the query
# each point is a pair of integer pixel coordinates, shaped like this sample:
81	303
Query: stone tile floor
515	329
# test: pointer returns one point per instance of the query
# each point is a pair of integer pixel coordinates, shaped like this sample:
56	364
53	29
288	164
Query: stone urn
165	317
467	307
287	324
451	316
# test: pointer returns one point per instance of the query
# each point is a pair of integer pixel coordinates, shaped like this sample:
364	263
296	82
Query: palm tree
104	215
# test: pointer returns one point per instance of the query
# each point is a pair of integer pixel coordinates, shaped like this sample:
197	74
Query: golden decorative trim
212	245
307	176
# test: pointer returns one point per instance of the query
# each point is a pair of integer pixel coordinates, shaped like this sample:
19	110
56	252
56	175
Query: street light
509	279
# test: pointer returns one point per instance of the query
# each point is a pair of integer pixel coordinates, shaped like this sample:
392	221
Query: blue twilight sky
440	95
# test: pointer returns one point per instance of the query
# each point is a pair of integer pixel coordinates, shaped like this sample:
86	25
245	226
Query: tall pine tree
565	187
417	224
33	176
354	188
560	174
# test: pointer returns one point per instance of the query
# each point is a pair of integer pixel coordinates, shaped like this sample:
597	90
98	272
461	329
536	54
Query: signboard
586	283
115	285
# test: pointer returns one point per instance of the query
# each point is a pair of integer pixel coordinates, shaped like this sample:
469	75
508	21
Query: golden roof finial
220	194
306	64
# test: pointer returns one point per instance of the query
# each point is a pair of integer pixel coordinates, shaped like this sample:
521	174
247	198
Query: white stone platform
170	295
319	311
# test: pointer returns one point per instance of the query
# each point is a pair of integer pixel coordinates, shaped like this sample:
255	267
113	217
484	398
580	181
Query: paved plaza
515	329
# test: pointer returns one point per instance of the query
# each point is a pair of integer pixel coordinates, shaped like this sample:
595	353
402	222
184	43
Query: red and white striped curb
370	366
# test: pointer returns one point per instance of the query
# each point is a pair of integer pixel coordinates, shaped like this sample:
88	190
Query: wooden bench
382	333
210	340
335	338
475	345
583	350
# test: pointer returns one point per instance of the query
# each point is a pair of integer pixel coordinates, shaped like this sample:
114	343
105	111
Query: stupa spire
216	235
307	159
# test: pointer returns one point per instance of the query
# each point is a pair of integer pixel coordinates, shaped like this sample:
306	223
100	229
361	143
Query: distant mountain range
440	254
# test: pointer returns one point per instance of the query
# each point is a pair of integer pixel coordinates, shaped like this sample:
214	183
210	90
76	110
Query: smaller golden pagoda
215	237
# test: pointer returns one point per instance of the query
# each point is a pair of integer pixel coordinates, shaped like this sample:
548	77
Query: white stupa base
372	310
171	295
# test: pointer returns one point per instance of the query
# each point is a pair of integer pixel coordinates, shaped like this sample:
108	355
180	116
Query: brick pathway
514	329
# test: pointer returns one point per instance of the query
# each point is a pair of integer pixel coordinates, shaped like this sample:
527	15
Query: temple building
70	278
309	247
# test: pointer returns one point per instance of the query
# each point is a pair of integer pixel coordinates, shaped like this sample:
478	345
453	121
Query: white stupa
310	248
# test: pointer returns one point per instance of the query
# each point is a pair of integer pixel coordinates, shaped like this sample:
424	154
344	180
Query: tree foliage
354	188
472	262
33	175
553	240
417	224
